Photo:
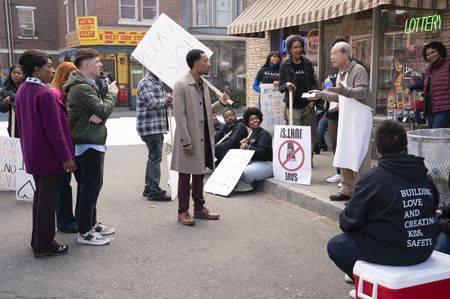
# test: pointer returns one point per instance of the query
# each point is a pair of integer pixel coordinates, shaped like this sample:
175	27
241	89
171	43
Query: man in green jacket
88	113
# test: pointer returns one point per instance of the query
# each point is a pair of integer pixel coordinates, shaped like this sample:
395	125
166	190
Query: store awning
265	15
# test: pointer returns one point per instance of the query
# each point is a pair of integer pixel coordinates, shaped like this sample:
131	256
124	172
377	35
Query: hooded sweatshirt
84	100
391	214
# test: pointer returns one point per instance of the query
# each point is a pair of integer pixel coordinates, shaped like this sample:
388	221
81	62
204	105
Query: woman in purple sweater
46	146
437	85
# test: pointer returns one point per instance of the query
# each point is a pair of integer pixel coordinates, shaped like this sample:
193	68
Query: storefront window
357	30
402	38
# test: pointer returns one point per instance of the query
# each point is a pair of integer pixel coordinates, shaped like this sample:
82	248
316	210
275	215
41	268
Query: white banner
25	186
8	159
13	176
227	174
272	107
164	47
292	154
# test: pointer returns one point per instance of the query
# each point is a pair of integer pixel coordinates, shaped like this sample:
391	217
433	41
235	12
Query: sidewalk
313	197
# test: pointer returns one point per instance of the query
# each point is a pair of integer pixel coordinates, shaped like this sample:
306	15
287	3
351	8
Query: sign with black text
272	107
292	154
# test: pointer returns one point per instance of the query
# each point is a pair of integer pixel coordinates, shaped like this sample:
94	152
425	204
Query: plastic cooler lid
437	267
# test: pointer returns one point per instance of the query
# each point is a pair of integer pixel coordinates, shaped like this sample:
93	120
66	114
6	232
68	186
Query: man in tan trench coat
193	145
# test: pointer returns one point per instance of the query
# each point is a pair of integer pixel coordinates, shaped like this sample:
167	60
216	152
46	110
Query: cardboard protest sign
292	154
8	159
13	176
227	174
272	107
164	47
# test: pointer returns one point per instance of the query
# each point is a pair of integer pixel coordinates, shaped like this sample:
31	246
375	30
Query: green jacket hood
74	79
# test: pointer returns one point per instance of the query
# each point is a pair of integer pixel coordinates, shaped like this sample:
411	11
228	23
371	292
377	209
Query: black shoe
324	148
60	251
161	196
316	149
147	190
339	197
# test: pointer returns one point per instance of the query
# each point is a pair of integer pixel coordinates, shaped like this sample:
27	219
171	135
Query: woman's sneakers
93	238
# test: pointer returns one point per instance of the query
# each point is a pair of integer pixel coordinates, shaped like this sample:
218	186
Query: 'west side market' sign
423	24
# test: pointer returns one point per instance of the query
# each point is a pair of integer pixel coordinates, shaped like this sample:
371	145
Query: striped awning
265	15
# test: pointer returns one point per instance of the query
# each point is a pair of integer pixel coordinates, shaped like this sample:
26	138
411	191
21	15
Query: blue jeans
438	119
343	251
442	243
256	171
154	144
321	128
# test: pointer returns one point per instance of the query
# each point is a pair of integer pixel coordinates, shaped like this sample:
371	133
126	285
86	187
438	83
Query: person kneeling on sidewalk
259	140
390	218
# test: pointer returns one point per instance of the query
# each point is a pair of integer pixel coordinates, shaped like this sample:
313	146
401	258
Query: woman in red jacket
437	85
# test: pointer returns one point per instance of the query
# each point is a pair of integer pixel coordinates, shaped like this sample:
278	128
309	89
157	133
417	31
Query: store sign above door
423	24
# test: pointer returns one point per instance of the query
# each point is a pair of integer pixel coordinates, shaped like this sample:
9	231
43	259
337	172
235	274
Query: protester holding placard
297	75
193	148
230	135
46	146
259	140
269	72
8	95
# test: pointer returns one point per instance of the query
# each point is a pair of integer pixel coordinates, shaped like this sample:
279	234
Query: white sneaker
348	279
103	229
243	187
352	294
334	179
93	238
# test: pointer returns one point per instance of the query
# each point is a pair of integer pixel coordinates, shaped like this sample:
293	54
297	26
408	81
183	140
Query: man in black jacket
390	217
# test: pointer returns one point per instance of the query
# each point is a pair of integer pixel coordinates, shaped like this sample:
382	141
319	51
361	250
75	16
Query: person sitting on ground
230	135
218	125
259	140
390	217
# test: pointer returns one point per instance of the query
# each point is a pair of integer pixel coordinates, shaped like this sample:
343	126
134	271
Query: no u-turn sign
292	154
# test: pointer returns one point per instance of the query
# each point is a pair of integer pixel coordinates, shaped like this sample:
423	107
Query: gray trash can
434	146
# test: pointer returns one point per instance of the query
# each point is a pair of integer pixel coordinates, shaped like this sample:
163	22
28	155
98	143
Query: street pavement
262	246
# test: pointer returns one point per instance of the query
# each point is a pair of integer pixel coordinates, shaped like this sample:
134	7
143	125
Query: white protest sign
272	107
227	174
8	159
164	47
292	154
173	178
25	185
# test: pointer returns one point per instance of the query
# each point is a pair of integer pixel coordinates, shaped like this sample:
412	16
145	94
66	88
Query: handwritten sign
25	186
8	157
227	174
164	47
272	107
292	154
13	176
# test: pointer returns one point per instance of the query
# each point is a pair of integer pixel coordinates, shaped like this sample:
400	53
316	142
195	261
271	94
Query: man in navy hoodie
390	218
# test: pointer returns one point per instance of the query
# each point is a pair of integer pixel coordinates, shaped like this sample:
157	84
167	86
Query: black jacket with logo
391	214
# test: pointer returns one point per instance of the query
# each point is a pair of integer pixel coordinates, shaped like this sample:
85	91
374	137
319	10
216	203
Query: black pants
64	206
44	201
89	176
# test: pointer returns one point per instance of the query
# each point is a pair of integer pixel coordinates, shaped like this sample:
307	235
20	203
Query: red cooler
428	280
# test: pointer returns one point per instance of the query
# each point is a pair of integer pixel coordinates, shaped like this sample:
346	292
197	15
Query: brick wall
446	29
256	50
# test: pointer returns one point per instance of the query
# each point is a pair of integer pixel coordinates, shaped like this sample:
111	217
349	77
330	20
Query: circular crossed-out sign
296	147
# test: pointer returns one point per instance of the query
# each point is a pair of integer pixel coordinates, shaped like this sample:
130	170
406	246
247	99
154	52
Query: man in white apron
355	118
